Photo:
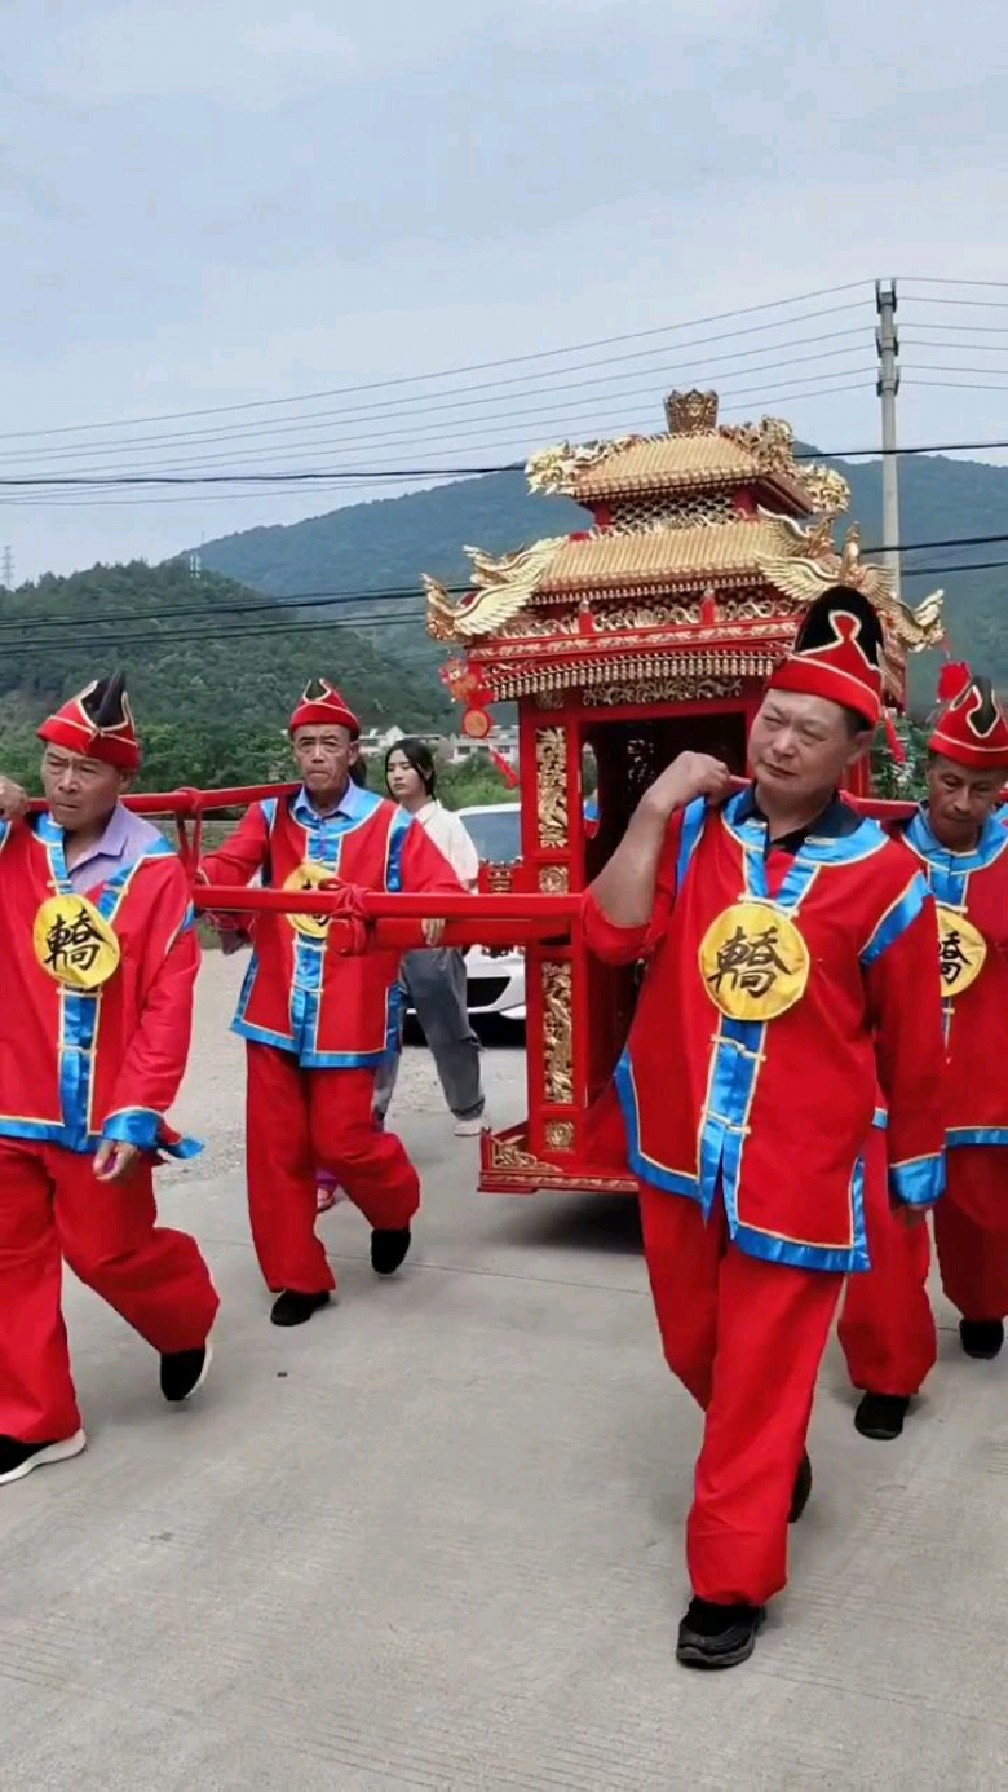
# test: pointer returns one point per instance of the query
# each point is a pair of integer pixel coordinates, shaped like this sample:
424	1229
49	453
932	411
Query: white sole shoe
468	1129
58	1452
173	1397
204	1372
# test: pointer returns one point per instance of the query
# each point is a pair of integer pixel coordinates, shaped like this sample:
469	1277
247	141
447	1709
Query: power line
336	598
462	397
312	625
443	434
442	437
334	476
948	328
60	492
974	304
949	280
956	348
397	596
455	372
957	385
954	367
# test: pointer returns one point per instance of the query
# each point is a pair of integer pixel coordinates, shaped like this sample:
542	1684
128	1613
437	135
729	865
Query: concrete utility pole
887	386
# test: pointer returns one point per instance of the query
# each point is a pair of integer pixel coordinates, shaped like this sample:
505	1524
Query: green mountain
214	663
386	545
211	694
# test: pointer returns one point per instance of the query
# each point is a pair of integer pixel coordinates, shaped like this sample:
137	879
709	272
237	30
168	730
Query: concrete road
434	1539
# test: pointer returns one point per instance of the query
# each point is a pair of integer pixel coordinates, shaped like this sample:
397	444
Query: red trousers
887	1330
52	1207
971	1231
746	1338
300	1121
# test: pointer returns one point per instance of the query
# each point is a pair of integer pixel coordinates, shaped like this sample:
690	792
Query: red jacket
330	1012
975	885
80	1066
776	1112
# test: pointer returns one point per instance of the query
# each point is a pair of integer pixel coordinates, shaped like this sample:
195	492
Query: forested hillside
212	668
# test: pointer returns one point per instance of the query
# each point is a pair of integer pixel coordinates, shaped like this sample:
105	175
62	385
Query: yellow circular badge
309	876
961	954
74	943
754	962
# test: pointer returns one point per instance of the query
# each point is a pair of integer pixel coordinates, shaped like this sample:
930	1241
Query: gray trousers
437	985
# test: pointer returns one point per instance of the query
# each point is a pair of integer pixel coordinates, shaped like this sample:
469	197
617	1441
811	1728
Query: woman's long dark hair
417	754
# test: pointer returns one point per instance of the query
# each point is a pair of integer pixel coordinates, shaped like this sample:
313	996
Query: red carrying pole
395	922
374	905
188	802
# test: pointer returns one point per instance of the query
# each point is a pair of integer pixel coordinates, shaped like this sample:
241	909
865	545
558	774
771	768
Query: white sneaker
18	1460
469	1129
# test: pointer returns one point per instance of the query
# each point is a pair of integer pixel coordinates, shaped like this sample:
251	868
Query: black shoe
880	1416
18	1459
982	1338
183	1371
388	1250
291	1308
718	1636
801	1490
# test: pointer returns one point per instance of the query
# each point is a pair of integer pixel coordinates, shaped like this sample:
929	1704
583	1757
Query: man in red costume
317	1025
98	958
787	941
887	1330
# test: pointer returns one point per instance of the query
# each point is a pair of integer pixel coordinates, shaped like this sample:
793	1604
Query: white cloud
212	201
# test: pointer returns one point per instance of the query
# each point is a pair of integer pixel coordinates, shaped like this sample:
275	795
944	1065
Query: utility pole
887	386
8	568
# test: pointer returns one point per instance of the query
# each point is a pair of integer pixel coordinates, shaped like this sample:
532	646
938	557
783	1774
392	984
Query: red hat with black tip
973	731
837	654
320	704
97	724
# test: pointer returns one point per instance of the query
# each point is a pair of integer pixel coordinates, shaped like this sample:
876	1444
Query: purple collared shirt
122	843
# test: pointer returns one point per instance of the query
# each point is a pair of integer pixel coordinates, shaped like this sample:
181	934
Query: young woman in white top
435	979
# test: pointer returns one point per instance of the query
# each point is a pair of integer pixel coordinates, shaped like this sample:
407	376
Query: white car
496	985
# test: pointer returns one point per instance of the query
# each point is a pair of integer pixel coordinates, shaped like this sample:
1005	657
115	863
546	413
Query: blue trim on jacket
325	836
975	1135
79	1010
838	837
919	1183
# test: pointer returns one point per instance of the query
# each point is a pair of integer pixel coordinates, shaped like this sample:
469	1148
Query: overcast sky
220	202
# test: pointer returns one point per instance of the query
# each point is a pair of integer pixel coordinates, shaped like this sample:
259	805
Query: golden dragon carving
816	565
555	470
501	589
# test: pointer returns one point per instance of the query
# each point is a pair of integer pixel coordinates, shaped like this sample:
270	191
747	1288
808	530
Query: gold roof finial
691	413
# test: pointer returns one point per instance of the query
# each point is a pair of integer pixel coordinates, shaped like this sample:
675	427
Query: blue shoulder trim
156	849
992	843
902	913
694	817
401	824
918	1183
